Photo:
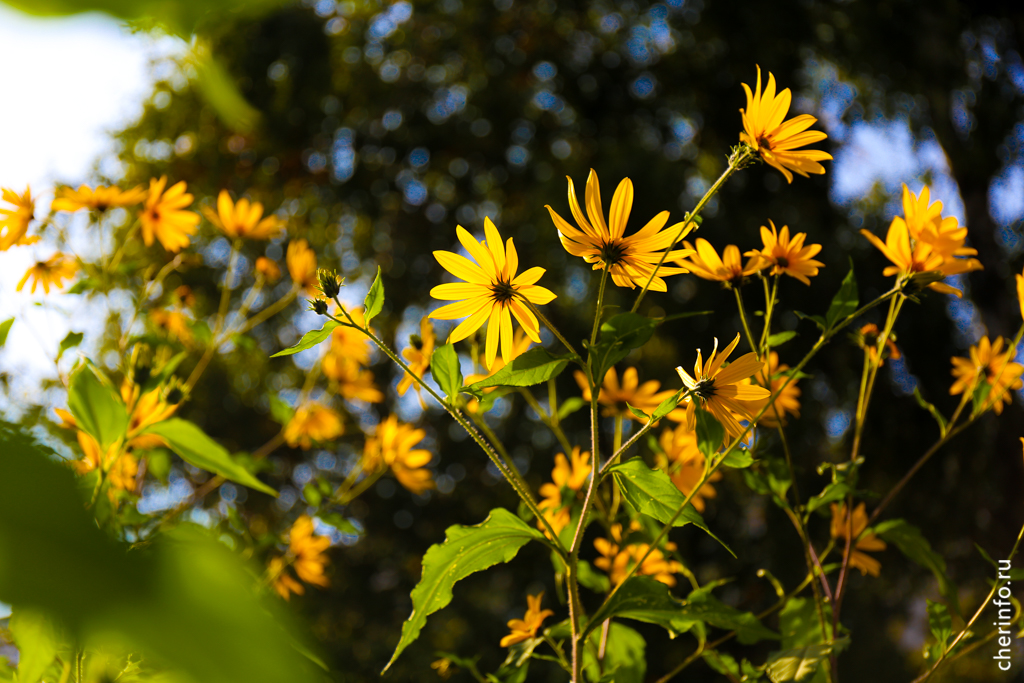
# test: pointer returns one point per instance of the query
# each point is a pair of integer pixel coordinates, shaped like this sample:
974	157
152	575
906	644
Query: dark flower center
765	143
612	253
782	261
705	389
503	292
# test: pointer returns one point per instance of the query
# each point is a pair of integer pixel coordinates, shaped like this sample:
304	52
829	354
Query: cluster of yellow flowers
557	497
619	558
305	556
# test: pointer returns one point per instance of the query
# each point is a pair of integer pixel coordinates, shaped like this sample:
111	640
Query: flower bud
330	283
318	306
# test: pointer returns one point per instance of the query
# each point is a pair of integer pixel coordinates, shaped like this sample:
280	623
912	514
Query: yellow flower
149	409
283	582
99	199
242	220
270	271
867	339
705	263
841	528
302	266
566	478
120	468
614	397
778	142
1020	292
311	423
629	260
392	445
306	555
49	273
354	382
14	222
618	561
922	241
350	343
175	323
1000	373
491	292
719	390
165	218
772	377
789	256
684	464
418	358
525	628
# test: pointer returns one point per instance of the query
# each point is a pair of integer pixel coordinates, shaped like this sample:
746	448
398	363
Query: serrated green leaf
196	448
447	370
665	407
845	302
710	433
653	493
37	642
780	338
374	301
5	329
310	339
643	599
97	408
466	550
915	546
619	335
798	664
530	368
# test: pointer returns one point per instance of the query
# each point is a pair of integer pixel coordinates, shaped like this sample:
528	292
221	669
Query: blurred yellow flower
270	271
174	323
302	266
568	477
14	222
525	628
705	263
614	396
242	220
349	343
683	462
49	273
785	255
772	377
392	445
778	141
619	561
922	241
144	412
283	582
164	216
354	381
491	293
841	528
629	260
867	339
418	357
306	555
719	390
1020	292
313	423
119	468
988	364
99	199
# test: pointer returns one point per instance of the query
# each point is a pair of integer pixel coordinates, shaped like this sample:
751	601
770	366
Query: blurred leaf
70	341
570	406
645	599
5	329
845	302
619	335
799	624
530	368
738	459
590	577
37	642
915	546
653	493
939	623
198	449
374	301
185	601
665	407
835	491
797	665
710	433
220	91
466	550
624	656
447	371
280	410
96	406
637	413
702	606
310	339
780	338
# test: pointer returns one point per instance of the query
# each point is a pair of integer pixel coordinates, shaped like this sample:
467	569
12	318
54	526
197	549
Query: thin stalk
554	330
600	305
769	309
550	420
743	320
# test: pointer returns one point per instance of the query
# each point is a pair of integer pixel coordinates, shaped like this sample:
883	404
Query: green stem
550	420
600	305
554	330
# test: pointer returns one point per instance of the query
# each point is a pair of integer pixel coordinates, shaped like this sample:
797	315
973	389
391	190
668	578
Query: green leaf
637	413
845	302
374	300
624	656
590	577
339	522
939	623
780	338
726	665
310	339
915	546
932	410
96	406
739	459
798	664
447	370
665	407
280	410
37	643
218	87
196	448
816	319
70	341
703	606
5	329
710	433
832	493
619	335
570	406
653	493
644	599
466	550
530	368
